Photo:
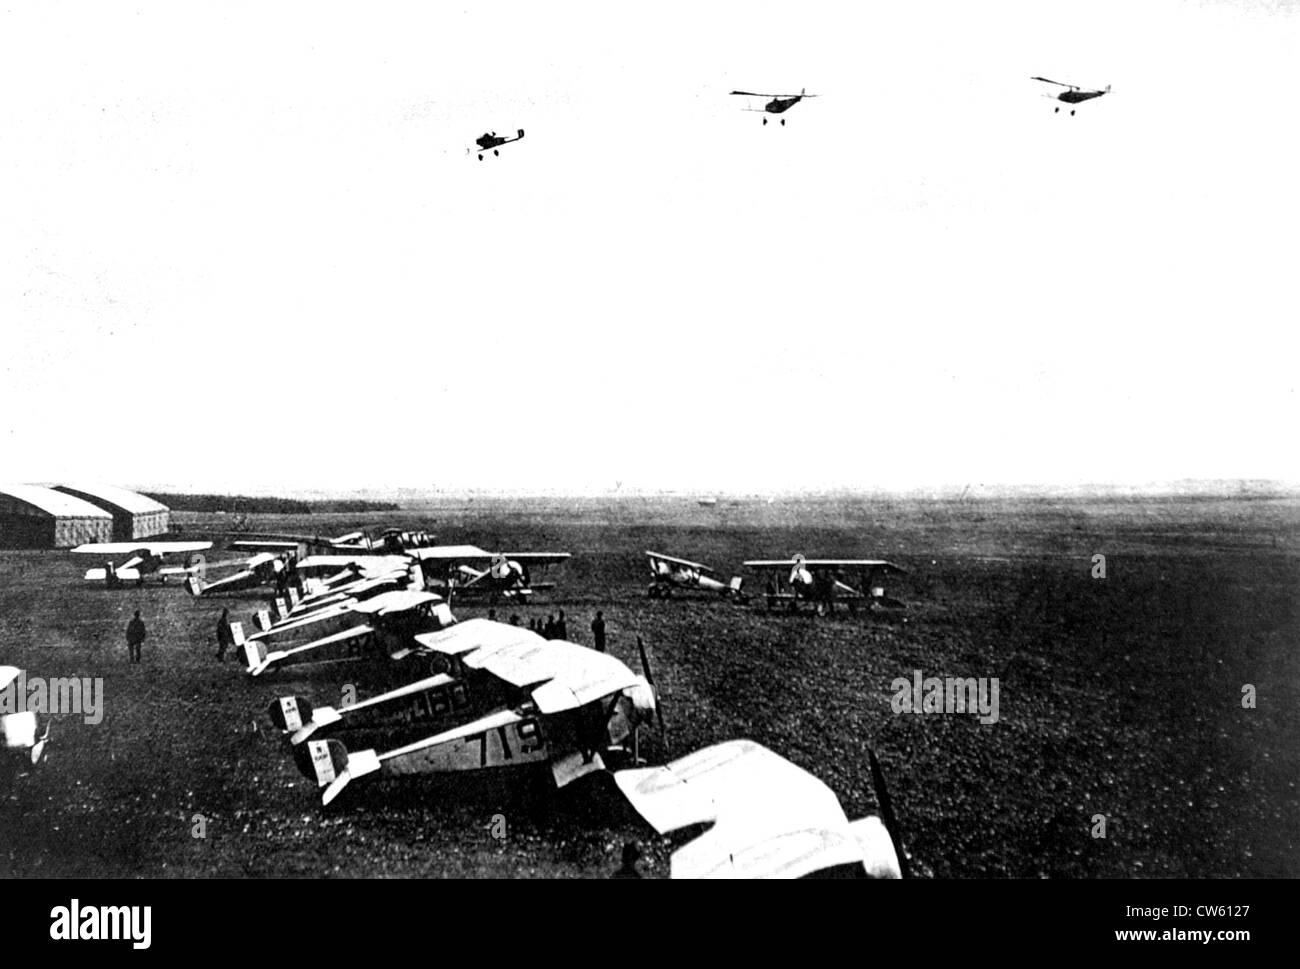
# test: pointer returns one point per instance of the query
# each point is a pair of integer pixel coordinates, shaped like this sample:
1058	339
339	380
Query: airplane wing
772	819
451	554
471	634
559	675
129	548
659	557
537	558
777	564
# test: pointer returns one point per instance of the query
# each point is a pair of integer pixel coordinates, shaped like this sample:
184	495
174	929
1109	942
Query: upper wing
675	561
451	554
771	817
559	675
154	548
538	558
825	563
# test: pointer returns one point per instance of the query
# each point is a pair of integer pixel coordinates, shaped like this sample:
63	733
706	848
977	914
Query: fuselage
777	105
1074	97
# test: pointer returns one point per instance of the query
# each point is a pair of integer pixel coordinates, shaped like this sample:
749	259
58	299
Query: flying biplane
467	569
779	104
20	729
668	572
770	818
490	140
821	582
1073	94
142	558
560	705
381	626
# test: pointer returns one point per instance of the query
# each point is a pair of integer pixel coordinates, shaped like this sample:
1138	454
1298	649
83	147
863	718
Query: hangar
36	517
134	515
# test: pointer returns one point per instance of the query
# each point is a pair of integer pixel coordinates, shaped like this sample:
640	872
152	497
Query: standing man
135	633
548	631
561	627
598	631
225	640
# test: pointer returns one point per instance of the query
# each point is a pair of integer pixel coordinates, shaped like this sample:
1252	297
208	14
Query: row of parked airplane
484	695
467	569
859	583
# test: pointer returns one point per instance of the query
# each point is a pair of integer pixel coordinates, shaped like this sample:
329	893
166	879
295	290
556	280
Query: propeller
649	678
798	572
887	812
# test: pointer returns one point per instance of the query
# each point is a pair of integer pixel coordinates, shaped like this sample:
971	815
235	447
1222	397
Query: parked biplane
555	705
779	103
265	568
770	818
383	626
821	582
1073	94
670	573
491	141
457	570
23	733
281	543
142	558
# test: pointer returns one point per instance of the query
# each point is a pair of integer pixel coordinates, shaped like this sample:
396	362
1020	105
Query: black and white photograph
582	441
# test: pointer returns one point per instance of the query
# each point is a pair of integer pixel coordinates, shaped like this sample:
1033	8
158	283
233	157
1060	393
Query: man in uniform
225	638
598	631
135	633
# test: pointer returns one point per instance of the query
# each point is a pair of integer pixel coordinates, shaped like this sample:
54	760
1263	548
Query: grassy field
1119	696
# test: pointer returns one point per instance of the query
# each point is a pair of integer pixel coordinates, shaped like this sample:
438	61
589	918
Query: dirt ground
1119	696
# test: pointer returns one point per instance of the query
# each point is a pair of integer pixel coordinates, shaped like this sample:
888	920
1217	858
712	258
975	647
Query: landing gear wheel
1071	114
764	121
495	152
1056	110
480	157
783	122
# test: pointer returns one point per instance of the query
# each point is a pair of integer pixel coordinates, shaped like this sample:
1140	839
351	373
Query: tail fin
263	620
290	712
281	608
521	132
254	656
328	763
735	584
194	585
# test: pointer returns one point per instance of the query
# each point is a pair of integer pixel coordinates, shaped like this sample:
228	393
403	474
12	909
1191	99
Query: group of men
553	627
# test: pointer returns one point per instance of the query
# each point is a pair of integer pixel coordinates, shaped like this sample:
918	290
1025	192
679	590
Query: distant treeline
245	504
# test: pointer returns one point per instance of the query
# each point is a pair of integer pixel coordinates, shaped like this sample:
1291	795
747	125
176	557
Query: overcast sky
243	246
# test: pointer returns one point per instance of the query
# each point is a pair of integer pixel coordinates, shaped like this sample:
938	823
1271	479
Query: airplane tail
734	585
254	656
194	585
1107	88
328	763
263	620
521	132
289	713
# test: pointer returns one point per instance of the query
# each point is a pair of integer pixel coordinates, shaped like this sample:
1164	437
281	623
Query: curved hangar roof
53	502
136	504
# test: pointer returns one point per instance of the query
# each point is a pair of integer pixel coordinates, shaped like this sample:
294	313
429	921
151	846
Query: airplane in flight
769	818
779	104
382	626
20	730
491	141
821	582
669	573
142	558
1073	94
460	569
560	706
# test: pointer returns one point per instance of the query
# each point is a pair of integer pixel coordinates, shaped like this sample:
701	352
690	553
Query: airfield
1119	696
